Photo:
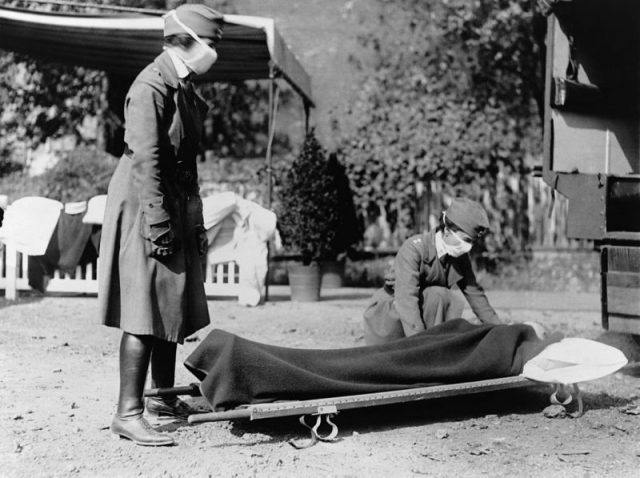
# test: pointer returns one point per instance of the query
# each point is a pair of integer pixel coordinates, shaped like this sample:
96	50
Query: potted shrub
308	217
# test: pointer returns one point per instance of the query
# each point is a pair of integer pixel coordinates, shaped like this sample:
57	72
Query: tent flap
125	44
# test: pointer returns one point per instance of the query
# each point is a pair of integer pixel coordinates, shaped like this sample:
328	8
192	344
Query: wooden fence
534	216
221	280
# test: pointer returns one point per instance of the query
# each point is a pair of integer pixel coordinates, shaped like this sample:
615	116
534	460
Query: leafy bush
39	100
78	176
237	121
8	166
19	184
312	199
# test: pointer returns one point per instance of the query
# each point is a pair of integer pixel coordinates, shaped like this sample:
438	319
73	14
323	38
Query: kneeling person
416	294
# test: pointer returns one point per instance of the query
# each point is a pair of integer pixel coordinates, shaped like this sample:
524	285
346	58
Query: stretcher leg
314	430
565	394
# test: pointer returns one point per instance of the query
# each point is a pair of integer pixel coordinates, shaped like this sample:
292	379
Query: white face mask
460	248
202	59
202	56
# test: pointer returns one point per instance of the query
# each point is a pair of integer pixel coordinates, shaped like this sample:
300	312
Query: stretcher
325	409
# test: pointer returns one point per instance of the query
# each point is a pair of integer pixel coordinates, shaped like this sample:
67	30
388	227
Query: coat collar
181	69
167	70
431	254
429	241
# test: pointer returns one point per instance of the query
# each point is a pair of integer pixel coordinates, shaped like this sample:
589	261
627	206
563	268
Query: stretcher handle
220	416
191	389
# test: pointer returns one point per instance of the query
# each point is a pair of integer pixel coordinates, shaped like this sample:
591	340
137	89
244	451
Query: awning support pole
274	93
273	108
307	109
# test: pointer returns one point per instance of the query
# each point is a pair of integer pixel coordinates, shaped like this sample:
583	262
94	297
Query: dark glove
201	240
162	240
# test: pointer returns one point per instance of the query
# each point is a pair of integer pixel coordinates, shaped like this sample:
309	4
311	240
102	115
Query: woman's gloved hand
201	240
162	240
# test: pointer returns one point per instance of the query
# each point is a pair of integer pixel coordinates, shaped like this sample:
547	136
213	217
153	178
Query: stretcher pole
332	405
168	392
220	416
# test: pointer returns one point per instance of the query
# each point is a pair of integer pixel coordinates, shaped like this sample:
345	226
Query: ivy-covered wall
450	102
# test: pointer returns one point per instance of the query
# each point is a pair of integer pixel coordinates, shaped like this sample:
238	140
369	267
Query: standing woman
151	283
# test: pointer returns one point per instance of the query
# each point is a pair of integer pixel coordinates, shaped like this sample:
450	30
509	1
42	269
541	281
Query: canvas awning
126	43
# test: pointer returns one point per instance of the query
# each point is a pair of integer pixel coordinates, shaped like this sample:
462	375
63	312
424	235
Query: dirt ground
59	384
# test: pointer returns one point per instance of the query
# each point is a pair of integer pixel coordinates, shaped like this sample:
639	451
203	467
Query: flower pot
332	274
304	282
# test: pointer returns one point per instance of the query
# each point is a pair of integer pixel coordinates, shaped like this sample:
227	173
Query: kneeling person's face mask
458	249
454	246
201	56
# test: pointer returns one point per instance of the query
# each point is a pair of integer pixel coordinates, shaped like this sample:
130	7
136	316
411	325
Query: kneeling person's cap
469	216
204	21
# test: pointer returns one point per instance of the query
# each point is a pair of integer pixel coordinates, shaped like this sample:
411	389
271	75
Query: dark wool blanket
234	371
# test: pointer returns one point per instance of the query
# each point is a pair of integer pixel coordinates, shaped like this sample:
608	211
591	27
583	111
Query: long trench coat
397	310
155	181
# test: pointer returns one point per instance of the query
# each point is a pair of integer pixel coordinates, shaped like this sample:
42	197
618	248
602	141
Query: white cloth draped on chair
238	230
29	223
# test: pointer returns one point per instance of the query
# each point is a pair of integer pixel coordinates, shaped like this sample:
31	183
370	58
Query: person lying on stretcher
234	371
416	295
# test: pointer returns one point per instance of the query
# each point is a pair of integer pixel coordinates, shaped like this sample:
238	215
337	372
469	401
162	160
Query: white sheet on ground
574	360
29	223
238	230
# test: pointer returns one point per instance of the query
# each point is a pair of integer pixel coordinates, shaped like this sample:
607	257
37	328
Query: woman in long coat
151	283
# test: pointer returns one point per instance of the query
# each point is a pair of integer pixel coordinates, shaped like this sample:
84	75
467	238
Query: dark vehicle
592	140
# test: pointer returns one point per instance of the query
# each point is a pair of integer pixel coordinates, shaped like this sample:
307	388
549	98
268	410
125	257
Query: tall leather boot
163	363
128	421
163	366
